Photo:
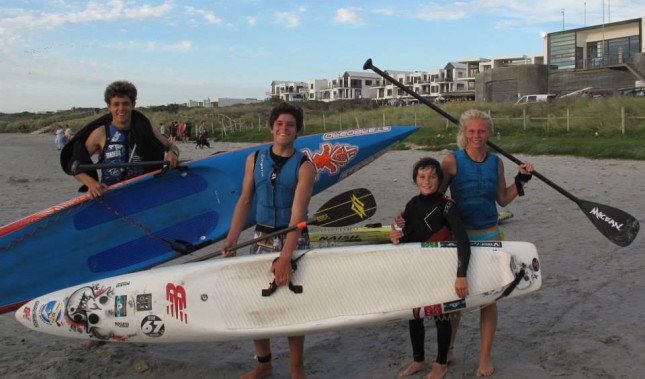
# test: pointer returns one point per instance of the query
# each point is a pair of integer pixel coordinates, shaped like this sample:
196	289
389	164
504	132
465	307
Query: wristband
518	185
523	177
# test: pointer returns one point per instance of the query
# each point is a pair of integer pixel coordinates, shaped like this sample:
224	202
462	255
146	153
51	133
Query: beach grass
605	128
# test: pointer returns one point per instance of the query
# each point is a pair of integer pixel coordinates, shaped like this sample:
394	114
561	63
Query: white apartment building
289	91
350	85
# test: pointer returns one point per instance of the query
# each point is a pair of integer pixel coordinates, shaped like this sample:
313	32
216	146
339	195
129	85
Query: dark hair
285	108
424	163
121	88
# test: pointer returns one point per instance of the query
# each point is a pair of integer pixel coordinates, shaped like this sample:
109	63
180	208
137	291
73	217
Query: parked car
526	99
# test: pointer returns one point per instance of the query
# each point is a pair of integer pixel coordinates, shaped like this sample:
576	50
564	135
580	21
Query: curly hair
286	108
121	88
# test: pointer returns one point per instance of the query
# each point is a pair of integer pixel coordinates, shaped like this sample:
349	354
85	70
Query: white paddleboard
343	287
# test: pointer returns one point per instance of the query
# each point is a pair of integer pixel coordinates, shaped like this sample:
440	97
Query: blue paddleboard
156	217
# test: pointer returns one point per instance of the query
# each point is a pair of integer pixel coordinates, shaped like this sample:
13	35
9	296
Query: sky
60	54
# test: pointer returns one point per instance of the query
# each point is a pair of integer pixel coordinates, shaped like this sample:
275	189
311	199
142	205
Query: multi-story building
608	58
289	91
350	85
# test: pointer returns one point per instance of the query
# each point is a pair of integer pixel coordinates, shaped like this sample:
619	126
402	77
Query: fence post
383	118
567	119
524	117
622	119
324	123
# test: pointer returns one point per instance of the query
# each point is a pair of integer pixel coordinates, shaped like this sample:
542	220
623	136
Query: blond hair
472	114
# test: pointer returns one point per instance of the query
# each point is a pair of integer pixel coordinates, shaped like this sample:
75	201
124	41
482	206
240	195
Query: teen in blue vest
476	180
123	135
282	180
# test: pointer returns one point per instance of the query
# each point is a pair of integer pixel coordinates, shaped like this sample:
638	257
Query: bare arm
94	145
282	267
506	194
449	169
242	208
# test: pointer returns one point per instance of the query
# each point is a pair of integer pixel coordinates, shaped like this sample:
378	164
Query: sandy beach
586	321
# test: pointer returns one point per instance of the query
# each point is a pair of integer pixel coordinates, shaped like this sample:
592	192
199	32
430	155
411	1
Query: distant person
202	131
162	129
58	139
476	181
282	179
68	133
188	130
123	135
430	216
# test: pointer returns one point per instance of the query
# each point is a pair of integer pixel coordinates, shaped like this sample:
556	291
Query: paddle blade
618	226
346	209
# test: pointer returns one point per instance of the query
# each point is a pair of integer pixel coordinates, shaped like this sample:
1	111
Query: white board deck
342	287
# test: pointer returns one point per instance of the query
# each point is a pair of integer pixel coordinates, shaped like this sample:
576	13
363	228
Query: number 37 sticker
152	326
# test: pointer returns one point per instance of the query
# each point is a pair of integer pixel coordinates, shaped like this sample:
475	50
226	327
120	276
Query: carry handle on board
618	226
347	208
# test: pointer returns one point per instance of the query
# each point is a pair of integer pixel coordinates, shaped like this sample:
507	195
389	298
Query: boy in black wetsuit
430	216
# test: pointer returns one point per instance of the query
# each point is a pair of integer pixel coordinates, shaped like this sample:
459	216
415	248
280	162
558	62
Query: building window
562	51
368	82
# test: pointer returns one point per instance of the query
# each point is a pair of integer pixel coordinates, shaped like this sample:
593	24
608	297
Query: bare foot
413	368
485	368
451	355
298	373
438	371
262	370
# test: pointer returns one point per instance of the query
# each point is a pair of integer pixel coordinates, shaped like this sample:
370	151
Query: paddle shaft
344	209
77	168
369	65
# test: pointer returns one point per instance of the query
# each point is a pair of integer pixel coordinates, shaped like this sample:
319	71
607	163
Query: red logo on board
432	310
332	157
176	296
26	313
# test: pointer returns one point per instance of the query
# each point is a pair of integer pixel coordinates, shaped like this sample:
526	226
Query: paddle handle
368	65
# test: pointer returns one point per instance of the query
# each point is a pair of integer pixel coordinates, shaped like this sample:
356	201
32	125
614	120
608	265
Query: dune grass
604	128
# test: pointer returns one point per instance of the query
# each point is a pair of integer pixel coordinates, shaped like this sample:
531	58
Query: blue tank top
275	199
119	149
474	189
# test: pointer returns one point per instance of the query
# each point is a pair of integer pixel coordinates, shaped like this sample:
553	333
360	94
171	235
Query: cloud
15	22
435	11
348	16
251	20
209	16
178	47
383	11
289	20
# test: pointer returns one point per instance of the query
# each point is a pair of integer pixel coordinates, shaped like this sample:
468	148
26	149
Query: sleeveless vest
474	189
119	148
274	200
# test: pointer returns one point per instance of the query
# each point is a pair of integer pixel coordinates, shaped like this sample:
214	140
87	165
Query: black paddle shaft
618	226
369	65
345	209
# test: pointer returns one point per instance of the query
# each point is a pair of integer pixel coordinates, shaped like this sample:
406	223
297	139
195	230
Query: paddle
77	167
618	226
345	209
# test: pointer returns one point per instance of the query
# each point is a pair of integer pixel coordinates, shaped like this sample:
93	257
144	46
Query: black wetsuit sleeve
463	243
408	216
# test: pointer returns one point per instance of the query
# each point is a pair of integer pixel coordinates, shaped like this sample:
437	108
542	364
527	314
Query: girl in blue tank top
476	181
